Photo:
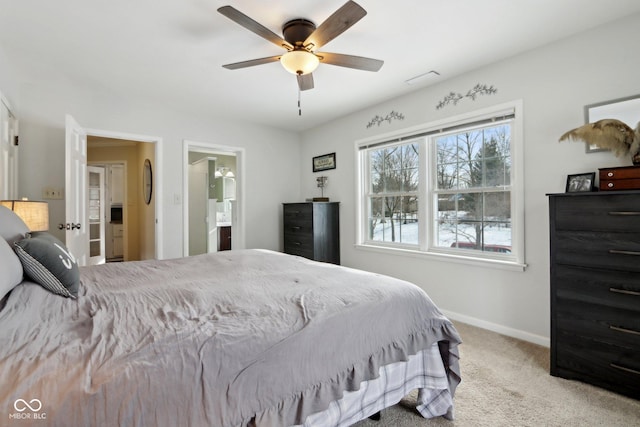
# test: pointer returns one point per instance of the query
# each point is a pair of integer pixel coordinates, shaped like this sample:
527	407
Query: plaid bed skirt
423	371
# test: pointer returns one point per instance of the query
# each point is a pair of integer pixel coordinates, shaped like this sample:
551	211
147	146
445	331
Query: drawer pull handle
297	243
295	228
622	368
624	291
620	252
624	213
625	330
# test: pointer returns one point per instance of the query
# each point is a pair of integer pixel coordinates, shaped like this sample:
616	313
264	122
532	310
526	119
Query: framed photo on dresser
580	182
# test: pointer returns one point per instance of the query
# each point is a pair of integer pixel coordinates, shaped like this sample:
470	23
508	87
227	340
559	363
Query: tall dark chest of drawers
312	230
595	289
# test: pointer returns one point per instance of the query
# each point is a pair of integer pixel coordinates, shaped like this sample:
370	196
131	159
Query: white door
76	225
8	153
97	215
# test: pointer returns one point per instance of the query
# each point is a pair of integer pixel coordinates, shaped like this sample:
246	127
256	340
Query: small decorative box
622	178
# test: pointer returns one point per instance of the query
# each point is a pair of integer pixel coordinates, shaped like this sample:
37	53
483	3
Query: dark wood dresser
312	230
595	288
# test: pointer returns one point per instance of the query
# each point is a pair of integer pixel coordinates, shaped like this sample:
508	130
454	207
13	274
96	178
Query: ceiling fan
301	39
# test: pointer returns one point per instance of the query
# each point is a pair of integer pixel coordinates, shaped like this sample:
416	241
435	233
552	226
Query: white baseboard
504	330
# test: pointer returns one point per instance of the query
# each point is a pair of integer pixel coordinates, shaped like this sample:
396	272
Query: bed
236	338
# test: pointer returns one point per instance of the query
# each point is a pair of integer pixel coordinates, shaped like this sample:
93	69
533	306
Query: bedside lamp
34	214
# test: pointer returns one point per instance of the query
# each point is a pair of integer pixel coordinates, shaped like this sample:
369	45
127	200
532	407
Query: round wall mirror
147	181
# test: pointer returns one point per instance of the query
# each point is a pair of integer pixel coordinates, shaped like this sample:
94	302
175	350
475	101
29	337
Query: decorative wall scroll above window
393	115
454	97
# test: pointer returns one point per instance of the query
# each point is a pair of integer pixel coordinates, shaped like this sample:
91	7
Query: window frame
427	205
369	195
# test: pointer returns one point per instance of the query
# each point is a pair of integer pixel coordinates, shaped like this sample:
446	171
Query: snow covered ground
448	233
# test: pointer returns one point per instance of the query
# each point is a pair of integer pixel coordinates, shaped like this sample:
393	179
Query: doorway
77	189
213	198
125	212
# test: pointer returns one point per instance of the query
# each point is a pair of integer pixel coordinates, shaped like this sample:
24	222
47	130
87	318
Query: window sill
447	257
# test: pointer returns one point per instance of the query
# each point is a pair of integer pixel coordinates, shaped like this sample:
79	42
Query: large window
448	191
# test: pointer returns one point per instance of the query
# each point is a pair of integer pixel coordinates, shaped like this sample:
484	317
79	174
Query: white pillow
10	269
12	227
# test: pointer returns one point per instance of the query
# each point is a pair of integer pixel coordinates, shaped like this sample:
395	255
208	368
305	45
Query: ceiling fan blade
350	61
240	18
251	62
305	81
343	18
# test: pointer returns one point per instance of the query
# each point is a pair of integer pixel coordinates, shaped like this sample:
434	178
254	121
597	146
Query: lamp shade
299	62
34	214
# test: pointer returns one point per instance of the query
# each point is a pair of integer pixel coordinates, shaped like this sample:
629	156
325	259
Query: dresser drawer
598	322
297	212
619	251
611	212
620	184
299	241
298	244
628	172
611	288
605	365
297	228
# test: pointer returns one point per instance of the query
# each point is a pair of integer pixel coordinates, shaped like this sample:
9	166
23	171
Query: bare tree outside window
393	207
473	189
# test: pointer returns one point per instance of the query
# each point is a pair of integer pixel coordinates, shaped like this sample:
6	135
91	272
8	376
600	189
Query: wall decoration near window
324	162
393	115
627	110
455	97
580	182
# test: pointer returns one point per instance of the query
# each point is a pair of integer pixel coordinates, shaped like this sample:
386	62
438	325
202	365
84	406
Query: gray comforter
229	339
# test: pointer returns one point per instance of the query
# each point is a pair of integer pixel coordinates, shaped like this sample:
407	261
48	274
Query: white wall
7	78
554	82
43	98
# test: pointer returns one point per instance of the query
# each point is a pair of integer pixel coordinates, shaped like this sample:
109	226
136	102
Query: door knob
68	226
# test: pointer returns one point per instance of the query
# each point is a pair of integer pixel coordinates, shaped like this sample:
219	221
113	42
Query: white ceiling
172	51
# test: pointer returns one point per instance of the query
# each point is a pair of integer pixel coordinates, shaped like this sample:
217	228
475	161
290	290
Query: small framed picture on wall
324	162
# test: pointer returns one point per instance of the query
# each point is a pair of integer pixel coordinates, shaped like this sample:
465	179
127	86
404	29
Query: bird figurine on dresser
611	134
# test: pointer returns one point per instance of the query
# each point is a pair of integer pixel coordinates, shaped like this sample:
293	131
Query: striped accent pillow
48	262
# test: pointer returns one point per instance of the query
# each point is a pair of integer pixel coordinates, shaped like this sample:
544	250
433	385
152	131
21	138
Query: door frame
157	175
239	240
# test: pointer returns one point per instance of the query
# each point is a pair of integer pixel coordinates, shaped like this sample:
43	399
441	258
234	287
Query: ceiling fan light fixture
299	62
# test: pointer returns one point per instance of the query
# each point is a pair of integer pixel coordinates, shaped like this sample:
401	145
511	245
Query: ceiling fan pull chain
299	107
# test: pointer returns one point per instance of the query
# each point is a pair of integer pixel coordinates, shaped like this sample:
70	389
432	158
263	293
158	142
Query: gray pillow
47	261
10	269
12	227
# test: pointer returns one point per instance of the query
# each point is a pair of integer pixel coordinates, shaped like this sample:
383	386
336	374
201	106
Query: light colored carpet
506	382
